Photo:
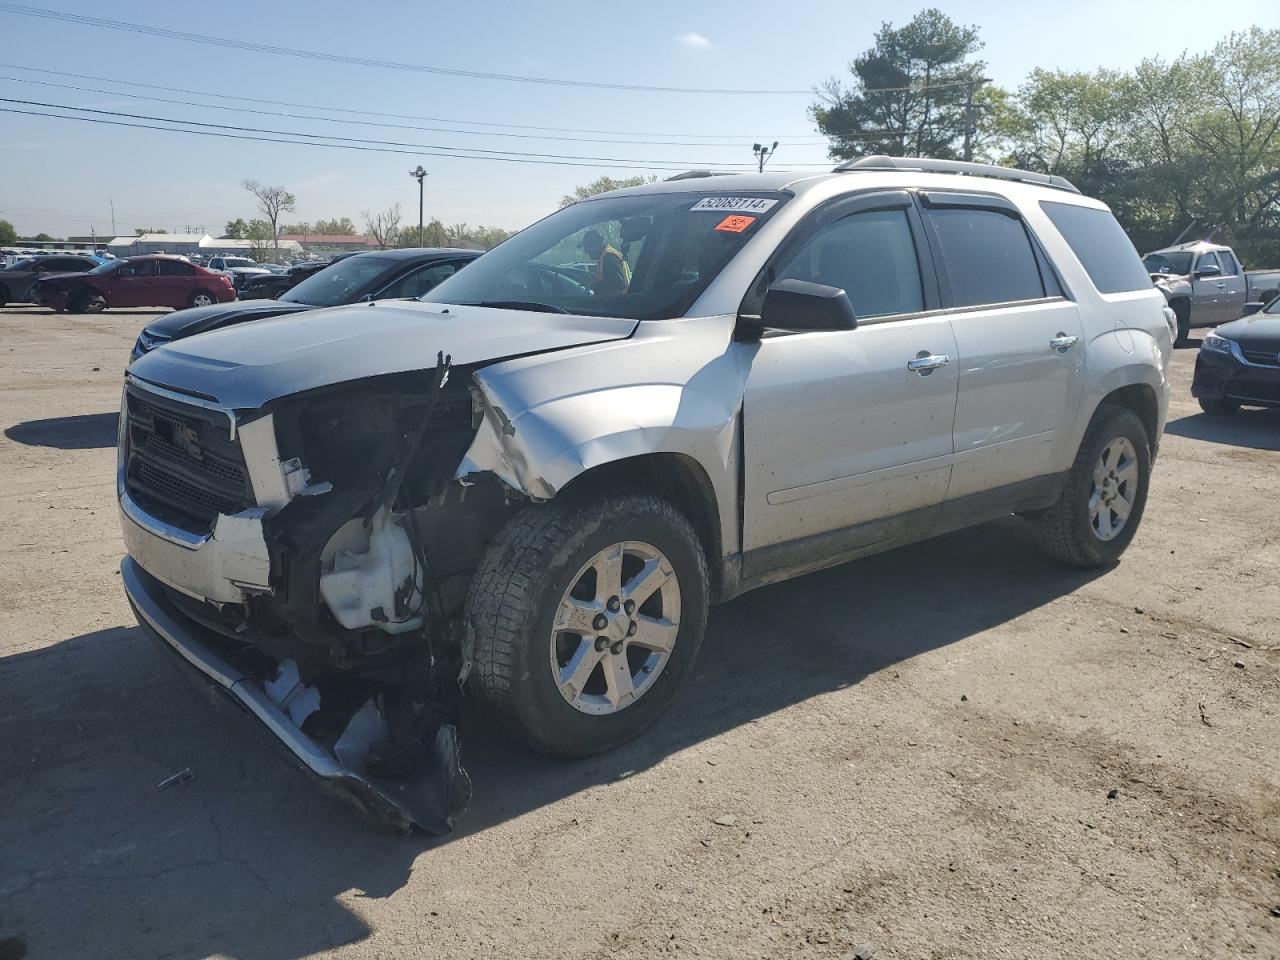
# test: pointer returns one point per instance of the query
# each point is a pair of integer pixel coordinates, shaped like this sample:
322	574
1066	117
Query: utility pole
763	153
969	128
112	201
419	174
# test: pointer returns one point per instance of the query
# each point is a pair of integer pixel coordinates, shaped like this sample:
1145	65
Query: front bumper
1229	376
427	800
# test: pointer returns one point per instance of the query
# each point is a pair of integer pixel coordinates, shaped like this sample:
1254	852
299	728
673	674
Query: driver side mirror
1209	270
801	306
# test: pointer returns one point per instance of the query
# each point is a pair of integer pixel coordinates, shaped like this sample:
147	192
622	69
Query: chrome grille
181	464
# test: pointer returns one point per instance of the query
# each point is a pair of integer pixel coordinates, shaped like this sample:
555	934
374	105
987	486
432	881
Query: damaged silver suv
529	486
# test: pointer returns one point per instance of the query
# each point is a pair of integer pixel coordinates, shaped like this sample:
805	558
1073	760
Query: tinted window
137	268
1229	266
175	268
343	282
1105	251
988	257
419	281
870	256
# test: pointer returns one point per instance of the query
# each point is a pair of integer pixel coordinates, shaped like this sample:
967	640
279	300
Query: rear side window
988	256
1101	245
1229	266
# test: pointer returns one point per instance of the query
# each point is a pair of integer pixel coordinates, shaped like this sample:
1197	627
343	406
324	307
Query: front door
133	285
846	428
1020	341
174	284
1207	290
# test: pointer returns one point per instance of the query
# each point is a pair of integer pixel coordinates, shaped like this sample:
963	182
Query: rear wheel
4	295
202	298
1219	406
1104	494
94	304
585	618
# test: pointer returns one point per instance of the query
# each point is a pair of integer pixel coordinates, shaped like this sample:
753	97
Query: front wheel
585	618
1182	311
1104	493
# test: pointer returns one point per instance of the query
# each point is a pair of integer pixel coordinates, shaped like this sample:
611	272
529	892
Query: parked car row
17	279
1205	284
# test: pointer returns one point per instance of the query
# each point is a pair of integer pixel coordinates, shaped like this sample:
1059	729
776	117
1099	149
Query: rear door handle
925	363
1063	343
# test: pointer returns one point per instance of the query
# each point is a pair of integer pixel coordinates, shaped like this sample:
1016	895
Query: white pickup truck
1206	285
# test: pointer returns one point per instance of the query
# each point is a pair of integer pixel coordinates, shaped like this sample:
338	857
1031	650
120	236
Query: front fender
674	388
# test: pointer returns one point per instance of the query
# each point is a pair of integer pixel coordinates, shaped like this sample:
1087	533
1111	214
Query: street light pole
419	174
763	153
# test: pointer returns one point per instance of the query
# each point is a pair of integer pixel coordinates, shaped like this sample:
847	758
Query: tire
201	298
94	304
1069	530
4	296
1219	407
1182	311
522	587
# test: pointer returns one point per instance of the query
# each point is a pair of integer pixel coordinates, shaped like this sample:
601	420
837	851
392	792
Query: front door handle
1222	286
1062	343
925	363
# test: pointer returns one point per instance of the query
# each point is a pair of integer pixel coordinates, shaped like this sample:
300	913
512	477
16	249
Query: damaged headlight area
352	652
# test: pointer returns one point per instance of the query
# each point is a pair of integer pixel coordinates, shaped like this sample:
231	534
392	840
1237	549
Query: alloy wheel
615	628
1115	489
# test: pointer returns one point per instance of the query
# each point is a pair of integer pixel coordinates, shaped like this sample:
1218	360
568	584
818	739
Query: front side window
419	281
1105	251
988	256
1208	260
137	268
644	256
870	256
175	268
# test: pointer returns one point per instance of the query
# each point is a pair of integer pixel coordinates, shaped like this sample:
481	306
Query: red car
150	281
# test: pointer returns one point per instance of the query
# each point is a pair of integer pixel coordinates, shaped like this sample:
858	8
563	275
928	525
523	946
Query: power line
205	40
168	88
373	123
470	152
643	165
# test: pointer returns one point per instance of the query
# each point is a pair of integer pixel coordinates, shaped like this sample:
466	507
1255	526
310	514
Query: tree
913	94
7	234
272	201
341	226
263	240
236	229
603	185
383	226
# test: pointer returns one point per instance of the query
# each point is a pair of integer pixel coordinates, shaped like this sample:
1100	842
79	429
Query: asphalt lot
913	750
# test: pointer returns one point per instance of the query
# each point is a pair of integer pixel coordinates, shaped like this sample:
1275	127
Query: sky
62	177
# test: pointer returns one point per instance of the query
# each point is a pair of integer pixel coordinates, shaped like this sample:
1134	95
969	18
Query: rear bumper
428	800
1223	376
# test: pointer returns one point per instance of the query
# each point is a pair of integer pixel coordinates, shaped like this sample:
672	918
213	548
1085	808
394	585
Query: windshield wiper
520	305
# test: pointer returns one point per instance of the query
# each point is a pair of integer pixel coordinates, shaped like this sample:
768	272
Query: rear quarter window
1101	245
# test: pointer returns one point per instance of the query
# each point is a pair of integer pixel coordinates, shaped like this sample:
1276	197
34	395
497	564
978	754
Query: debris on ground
182	776
1113	793
1239	664
1204	716
725	820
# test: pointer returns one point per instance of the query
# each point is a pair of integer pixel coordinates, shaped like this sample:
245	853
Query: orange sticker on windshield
735	224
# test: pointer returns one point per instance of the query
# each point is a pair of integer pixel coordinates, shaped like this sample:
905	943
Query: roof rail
698	174
960	167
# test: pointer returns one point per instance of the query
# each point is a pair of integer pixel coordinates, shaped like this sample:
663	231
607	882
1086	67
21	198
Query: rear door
174	284
845	428
133	285
1020	343
1234	289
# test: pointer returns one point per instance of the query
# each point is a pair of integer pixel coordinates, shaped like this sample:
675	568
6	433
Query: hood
187	323
61	276
1260	332
246	366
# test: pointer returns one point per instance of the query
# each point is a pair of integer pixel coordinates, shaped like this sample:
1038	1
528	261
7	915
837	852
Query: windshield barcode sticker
734	204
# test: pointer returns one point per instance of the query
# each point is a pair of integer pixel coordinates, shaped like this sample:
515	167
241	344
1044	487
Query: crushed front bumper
428	800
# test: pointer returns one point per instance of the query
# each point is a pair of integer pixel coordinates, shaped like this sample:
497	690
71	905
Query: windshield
238	262
341	282
642	257
107	267
1178	263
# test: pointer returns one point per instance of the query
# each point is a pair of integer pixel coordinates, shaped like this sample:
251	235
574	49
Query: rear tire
576	693
4	296
1104	494
95	304
201	298
1219	407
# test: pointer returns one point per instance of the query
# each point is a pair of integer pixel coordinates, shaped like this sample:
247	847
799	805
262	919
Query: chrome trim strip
154	526
186	398
1238	354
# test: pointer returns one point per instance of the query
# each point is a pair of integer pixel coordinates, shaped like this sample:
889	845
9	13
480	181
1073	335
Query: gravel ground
914	751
